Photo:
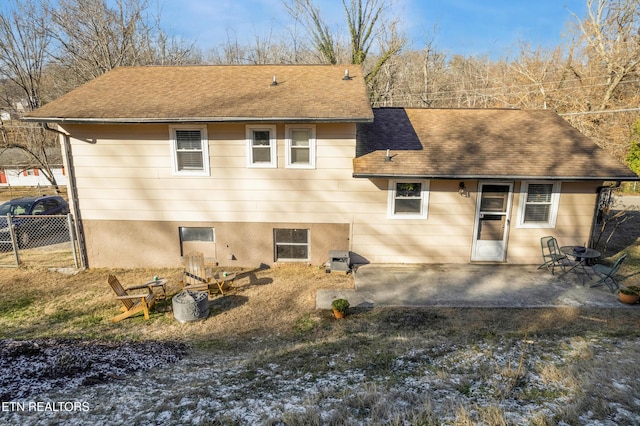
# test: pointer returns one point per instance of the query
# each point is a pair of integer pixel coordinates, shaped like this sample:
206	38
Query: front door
492	222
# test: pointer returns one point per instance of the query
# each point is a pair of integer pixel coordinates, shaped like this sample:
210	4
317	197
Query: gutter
72	191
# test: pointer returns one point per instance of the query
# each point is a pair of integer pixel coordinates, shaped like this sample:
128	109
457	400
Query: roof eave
494	177
163	120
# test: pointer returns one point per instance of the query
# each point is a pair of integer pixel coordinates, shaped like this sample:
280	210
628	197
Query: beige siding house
274	164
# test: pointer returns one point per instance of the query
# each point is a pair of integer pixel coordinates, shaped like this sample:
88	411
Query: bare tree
538	78
95	38
24	41
367	23
433	73
611	33
265	49
322	38
362	19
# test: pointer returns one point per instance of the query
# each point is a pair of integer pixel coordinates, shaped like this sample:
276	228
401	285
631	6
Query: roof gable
480	143
215	93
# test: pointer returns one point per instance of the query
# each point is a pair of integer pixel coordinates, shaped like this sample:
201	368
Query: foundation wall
130	244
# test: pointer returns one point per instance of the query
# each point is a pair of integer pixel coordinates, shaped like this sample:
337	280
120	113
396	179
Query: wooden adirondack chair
195	276
132	303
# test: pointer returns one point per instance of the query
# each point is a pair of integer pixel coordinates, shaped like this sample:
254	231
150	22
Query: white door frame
491	250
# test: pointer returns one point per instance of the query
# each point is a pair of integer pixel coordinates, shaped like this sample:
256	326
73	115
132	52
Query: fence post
14	243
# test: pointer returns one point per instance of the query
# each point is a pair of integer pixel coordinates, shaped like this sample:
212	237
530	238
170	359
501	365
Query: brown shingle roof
215	93
480	143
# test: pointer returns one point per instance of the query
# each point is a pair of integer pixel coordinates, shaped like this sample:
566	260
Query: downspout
596	212
72	191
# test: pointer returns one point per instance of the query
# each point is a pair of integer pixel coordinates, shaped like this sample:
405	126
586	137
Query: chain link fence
39	240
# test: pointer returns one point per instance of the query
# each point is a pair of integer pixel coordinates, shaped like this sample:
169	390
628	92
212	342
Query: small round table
161	285
581	255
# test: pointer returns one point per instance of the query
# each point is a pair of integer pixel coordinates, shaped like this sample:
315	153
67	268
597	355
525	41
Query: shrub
340	305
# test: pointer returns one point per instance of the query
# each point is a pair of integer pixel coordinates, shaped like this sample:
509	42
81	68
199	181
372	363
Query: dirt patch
31	367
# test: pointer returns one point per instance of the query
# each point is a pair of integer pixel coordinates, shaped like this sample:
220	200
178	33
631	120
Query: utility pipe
72	191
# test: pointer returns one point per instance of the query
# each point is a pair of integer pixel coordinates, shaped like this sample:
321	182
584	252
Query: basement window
197	234
291	244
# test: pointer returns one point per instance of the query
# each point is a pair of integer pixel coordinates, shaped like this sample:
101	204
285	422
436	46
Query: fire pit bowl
189	305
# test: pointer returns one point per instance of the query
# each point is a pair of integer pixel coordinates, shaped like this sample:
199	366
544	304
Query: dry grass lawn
43	303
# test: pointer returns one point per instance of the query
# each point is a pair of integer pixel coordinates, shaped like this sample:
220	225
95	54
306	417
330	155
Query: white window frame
424	203
204	139
289	146
307	244
554	203
273	147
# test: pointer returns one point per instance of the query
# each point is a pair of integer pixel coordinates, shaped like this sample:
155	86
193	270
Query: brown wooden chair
132	303
196	277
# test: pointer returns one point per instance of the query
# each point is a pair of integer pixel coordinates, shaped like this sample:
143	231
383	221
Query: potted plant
629	295
340	307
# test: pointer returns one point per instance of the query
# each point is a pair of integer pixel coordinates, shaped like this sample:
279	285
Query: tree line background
591	78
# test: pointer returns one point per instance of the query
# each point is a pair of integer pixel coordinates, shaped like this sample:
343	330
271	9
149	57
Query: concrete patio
469	285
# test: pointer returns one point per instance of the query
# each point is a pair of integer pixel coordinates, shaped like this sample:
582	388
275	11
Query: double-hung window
408	199
190	150
261	146
300	146
538	204
291	244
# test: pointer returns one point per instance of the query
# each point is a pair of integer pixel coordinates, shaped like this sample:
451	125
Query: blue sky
468	27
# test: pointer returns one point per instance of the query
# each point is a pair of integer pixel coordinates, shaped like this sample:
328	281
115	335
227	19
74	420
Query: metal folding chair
606	274
551	255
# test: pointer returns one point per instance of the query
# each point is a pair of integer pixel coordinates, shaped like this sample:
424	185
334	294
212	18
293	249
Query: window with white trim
300	146
291	244
190	150
261	146
538	204
408	199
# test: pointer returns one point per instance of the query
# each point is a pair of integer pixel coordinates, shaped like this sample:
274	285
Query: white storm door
492	222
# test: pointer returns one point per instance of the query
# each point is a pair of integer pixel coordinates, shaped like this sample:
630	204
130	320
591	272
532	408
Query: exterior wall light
462	190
